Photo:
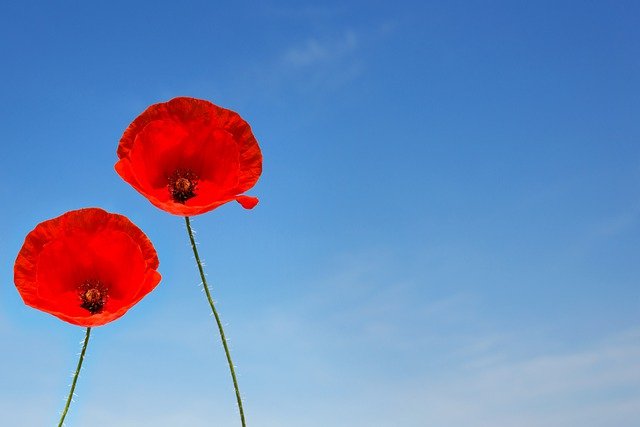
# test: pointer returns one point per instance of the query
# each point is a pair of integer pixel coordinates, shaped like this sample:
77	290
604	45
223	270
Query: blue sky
449	225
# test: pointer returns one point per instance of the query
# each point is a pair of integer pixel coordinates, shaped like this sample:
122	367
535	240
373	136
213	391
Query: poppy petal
247	202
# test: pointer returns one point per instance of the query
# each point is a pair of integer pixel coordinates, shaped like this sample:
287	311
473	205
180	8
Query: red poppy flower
87	267
189	156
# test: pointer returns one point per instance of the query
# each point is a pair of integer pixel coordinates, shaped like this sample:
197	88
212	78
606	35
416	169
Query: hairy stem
75	377
217	317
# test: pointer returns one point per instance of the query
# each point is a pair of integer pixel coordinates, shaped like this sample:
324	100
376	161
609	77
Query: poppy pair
187	157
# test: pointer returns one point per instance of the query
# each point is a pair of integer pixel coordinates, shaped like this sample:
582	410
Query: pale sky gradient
448	232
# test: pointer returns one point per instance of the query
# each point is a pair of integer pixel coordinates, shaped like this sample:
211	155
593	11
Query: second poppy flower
86	267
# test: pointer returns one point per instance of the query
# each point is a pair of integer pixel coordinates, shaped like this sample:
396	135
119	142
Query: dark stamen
182	185
93	296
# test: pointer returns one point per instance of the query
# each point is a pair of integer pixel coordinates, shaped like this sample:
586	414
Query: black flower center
182	185
93	296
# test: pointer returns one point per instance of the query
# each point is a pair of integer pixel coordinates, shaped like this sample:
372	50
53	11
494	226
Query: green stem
75	377
215	314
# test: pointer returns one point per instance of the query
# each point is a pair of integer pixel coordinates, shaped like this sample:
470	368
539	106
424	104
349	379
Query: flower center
93	296
182	185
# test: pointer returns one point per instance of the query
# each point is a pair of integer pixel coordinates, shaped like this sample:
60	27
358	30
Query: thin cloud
594	387
315	51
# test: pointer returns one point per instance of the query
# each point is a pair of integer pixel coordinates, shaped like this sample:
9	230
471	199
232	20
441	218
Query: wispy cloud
320	63
313	65
316	51
597	386
310	66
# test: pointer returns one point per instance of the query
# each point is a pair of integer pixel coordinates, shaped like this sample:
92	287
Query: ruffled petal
247	202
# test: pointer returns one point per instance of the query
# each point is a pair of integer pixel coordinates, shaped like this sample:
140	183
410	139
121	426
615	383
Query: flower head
86	267
189	156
